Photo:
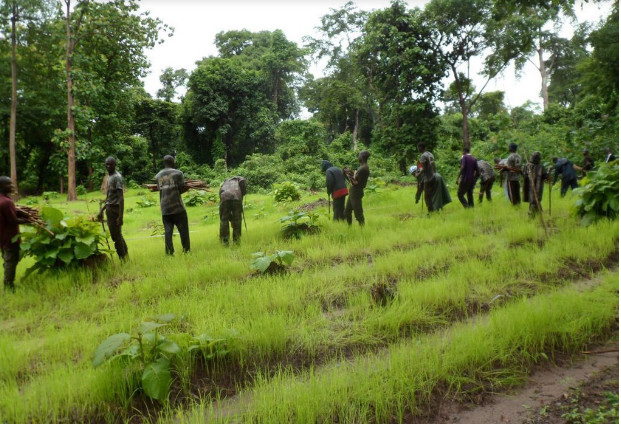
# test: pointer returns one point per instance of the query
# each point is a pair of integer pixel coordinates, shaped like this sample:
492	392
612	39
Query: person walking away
467	178
609	156
232	192
565	168
587	162
535	176
487	176
10	218
501	164
114	206
171	185
514	170
433	186
358	182
336	187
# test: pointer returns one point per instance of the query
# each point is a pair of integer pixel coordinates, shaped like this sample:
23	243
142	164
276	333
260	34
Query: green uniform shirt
170	183
115	183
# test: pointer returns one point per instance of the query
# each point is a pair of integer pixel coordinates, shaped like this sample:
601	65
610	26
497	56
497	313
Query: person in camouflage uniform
114	206
171	185
514	170
487	177
10	218
433	185
232	192
534	177
358	182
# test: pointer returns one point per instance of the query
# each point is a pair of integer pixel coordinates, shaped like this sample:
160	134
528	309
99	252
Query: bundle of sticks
508	168
189	185
349	175
32	217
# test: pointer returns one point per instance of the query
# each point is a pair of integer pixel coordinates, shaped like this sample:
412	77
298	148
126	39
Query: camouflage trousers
230	212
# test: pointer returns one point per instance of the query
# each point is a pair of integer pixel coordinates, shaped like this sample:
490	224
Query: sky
196	23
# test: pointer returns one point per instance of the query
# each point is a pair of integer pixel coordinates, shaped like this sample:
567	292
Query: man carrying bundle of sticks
171	185
513	172
534	179
10	218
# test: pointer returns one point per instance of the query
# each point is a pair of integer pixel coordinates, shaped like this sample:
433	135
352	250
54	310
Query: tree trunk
71	180
13	122
465	110
61	182
544	77
354	135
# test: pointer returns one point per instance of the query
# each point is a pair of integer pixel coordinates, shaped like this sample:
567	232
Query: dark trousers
116	234
430	188
354	204
338	207
179	220
565	184
230	211
466	188
514	192
486	188
11	258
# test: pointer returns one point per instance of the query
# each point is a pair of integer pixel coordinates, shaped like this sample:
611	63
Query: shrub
299	222
195	198
286	191
146	202
73	241
599	197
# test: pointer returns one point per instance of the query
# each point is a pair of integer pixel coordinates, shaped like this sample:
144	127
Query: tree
171	80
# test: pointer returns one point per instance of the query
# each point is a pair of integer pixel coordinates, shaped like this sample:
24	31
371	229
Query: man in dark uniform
358	182
114	206
232	192
565	168
335	185
587	162
171	185
10	218
487	176
534	177
467	178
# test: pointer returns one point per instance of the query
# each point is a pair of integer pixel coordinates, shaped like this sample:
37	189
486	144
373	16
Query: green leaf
262	263
156	379
168	346
145	327
165	318
108	347
51	215
66	255
83	251
88	239
52	253
286	256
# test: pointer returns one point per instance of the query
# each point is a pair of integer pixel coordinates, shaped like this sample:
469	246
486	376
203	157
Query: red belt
340	193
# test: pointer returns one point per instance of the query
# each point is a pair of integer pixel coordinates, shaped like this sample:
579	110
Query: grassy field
480	297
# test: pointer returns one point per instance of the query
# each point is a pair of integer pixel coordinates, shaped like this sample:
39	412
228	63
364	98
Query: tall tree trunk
544	77
71	180
354	135
13	122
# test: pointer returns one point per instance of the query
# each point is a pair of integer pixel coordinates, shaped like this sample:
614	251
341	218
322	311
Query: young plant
149	350
195	198
274	263
299	222
146	202
286	191
68	241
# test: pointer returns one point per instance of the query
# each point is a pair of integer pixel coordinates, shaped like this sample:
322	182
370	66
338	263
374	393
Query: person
514	171
565	168
467	178
232	192
433	186
417	173
587	162
609	156
10	218
114	206
358	182
534	177
501	164
336	187
487	176
171	185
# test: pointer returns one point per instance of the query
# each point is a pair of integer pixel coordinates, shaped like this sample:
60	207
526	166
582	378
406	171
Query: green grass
297	329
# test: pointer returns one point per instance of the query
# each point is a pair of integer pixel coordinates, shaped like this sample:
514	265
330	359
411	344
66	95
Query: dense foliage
599	197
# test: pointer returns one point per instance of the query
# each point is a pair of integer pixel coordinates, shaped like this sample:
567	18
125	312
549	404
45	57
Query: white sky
196	23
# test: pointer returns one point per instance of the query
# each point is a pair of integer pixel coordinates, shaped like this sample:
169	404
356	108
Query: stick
104	231
328	206
244	215
595	352
549	194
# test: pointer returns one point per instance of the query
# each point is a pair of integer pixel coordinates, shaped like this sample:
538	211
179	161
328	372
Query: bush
299	222
286	191
146	202
74	241
599	197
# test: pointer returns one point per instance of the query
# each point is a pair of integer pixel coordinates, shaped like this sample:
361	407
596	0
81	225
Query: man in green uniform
433	185
10	218
171	185
358	182
534	178
232	192
114	206
487	178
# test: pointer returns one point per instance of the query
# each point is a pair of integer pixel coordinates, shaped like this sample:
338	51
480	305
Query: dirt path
541	399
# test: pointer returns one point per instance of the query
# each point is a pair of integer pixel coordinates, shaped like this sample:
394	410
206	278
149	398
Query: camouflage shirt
233	188
514	161
115	189
428	163
485	170
170	183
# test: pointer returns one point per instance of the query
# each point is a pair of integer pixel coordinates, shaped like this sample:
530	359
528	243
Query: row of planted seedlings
412	376
272	339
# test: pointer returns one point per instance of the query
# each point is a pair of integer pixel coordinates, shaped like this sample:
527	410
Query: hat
413	169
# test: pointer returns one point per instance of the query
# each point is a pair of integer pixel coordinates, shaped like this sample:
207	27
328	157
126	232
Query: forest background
72	78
